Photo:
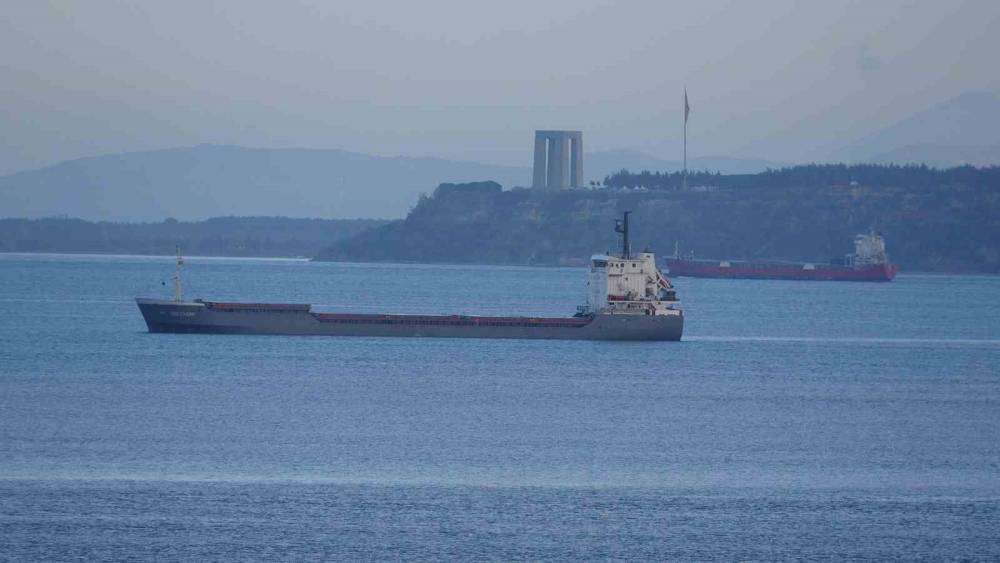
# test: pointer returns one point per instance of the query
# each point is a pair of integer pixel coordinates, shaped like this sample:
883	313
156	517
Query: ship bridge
628	284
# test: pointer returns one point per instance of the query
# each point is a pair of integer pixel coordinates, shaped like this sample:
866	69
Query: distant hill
219	236
962	130
932	220
212	180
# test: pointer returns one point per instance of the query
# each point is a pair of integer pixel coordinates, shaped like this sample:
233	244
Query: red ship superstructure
869	262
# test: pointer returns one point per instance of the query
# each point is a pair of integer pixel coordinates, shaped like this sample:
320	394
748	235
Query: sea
795	420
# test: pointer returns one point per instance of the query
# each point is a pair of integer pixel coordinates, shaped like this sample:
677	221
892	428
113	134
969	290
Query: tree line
814	175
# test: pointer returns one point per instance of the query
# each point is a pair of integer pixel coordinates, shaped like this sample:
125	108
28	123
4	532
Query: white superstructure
869	250
628	284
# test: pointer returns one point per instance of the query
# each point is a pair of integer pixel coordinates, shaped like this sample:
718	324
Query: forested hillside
220	236
932	221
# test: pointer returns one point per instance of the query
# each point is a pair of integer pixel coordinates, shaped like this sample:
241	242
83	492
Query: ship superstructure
628	298
627	284
869	250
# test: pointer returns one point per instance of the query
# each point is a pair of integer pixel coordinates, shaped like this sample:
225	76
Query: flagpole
686	110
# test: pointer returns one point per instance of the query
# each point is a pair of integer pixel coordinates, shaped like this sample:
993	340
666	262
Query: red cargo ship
869	262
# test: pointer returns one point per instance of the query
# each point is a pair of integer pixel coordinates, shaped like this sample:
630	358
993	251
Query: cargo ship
869	262
628	298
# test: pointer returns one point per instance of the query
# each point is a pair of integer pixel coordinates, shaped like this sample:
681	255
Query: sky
778	80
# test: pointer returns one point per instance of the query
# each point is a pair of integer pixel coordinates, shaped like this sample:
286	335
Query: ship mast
622	227
178	295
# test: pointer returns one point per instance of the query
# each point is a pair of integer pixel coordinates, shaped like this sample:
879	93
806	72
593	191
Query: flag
687	108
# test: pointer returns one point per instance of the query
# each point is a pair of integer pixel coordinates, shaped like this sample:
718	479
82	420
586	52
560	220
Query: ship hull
778	271
287	319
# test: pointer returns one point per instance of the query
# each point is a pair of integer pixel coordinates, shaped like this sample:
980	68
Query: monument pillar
576	159
538	175
558	160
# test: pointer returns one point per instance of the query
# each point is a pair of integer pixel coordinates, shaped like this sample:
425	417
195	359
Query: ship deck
389	319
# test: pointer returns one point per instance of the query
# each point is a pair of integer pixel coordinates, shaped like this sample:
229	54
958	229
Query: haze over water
795	419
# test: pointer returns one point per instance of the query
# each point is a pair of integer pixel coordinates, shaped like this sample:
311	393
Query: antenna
622	227
178	295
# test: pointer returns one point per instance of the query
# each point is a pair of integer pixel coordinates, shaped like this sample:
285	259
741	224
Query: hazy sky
786	81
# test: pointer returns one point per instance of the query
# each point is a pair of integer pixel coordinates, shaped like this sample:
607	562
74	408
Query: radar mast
621	226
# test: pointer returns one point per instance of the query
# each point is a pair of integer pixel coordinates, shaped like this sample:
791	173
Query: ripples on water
795	419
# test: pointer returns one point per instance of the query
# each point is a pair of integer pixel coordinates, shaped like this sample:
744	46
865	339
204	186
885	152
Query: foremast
178	292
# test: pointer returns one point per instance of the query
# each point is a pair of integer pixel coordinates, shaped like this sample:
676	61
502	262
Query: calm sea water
795	420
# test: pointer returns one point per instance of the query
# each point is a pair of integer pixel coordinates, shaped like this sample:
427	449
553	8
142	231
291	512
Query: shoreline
96	254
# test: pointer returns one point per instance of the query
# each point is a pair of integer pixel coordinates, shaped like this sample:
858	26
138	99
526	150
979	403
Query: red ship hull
779	271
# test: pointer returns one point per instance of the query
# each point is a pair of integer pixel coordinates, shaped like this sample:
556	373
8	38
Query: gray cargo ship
628	298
